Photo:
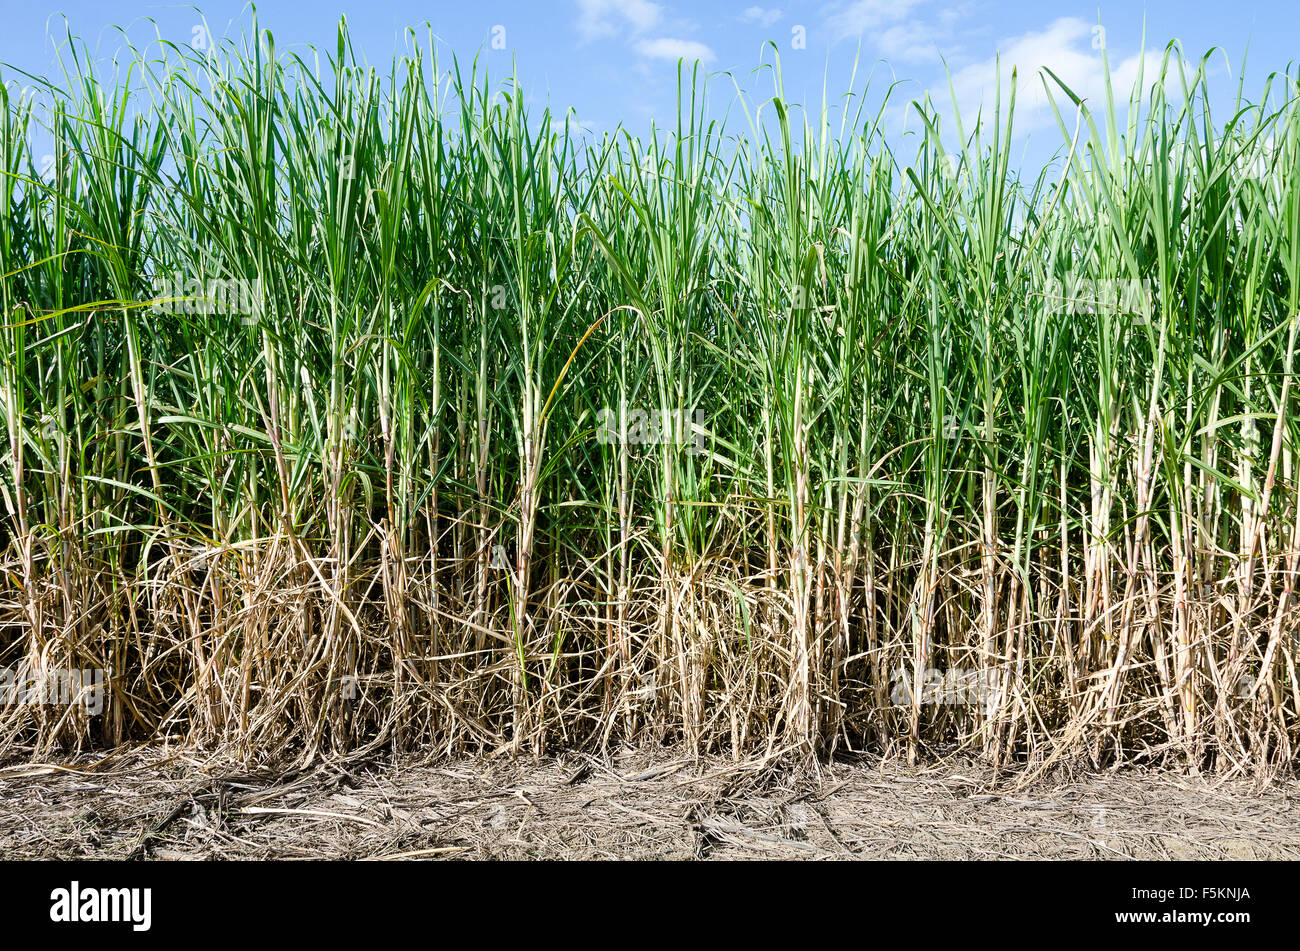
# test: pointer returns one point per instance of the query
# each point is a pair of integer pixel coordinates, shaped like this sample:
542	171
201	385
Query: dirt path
632	805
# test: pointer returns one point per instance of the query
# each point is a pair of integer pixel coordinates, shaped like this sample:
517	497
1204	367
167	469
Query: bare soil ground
630	805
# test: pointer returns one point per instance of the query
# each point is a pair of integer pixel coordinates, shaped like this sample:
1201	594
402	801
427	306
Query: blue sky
614	61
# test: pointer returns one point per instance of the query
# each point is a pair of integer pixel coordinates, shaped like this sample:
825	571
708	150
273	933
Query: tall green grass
765	439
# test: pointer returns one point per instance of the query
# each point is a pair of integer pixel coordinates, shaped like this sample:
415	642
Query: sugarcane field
624	429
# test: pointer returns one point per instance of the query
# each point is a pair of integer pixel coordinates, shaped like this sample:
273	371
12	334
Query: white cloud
632	20
910	42
761	16
899	30
673	49
1066	47
598	18
863	15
